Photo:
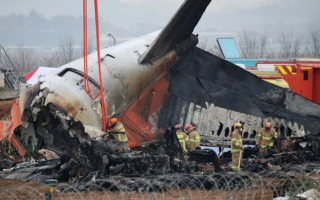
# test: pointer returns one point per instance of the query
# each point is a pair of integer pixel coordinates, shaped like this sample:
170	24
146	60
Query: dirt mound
5	108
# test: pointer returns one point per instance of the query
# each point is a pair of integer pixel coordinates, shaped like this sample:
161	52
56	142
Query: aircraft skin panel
214	94
228	86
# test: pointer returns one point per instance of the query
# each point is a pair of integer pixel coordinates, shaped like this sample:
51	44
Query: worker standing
236	147
183	139
265	135
194	137
118	132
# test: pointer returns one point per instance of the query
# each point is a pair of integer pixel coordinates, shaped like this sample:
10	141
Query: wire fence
225	185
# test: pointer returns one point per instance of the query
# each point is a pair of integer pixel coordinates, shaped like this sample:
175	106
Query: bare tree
263	45
90	47
65	52
313	45
248	44
215	50
296	47
203	43
23	58
286	44
49	60
270	54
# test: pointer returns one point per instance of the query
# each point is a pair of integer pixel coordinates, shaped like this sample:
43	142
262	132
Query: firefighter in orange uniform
236	147
117	131
194	137
265	135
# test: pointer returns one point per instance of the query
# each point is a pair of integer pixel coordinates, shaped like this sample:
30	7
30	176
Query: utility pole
114	39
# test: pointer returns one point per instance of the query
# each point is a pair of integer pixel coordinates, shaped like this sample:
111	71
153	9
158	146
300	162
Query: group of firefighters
265	139
117	131
188	143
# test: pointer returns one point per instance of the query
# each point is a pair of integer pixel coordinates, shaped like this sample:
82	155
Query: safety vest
236	141
183	139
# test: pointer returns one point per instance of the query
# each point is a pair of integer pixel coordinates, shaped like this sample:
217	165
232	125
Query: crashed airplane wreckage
152	81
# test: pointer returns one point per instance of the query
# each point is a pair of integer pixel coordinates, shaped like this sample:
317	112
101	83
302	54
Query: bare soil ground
5	108
15	189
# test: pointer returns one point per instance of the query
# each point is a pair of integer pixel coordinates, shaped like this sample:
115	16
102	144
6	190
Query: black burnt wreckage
95	164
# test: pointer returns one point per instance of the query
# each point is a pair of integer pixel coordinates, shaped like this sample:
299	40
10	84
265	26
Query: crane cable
85	60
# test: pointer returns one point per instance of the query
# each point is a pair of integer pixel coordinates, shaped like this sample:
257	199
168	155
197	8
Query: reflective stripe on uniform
235	167
271	144
191	140
120	139
237	144
183	141
259	135
183	144
263	146
266	138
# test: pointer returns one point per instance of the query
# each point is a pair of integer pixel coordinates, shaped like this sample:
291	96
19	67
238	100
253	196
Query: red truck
302	75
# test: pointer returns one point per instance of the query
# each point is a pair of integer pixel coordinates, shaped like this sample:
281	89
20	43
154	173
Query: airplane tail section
180	27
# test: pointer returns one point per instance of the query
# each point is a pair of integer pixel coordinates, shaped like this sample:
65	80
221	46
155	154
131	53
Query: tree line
26	59
251	45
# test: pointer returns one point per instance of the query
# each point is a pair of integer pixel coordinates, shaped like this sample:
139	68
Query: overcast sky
131	18
74	7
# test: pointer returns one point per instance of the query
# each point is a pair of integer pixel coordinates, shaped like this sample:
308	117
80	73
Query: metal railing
11	74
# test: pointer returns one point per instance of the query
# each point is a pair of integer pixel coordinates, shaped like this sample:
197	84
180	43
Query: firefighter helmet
177	126
237	125
268	125
113	121
188	126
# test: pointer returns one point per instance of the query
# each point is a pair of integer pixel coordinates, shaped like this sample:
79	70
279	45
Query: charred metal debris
61	149
72	153
94	164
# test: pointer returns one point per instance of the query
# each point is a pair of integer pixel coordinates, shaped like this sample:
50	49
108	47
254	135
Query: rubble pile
96	164
137	171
